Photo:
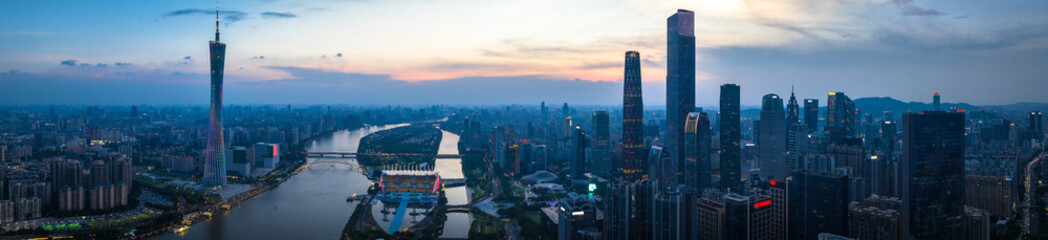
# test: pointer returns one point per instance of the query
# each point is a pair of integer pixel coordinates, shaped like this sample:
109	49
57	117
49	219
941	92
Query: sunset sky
486	51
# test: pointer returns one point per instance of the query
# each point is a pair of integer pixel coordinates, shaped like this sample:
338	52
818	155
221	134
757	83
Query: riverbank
314	199
407	145
293	160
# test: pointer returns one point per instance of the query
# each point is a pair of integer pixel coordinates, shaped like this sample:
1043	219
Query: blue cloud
228	16
278	15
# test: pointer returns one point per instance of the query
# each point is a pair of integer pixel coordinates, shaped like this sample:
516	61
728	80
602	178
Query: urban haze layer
794	167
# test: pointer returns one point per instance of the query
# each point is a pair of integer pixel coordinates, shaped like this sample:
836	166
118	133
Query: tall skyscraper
499	145
214	155
680	80
792	110
811	114
932	171
935	102
1036	126
697	151
632	165
601	148
840	117
773	138
730	136
578	161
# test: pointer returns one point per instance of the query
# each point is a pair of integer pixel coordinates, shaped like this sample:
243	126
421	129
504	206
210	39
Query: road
1030	201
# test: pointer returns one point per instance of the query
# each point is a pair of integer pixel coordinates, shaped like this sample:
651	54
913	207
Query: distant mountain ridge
877	106
880	104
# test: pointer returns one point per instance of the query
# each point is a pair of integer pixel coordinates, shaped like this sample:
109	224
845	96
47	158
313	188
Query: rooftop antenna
216	21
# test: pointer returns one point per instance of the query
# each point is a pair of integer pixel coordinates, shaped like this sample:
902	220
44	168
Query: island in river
408	145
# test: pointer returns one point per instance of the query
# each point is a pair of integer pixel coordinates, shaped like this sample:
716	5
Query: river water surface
312	204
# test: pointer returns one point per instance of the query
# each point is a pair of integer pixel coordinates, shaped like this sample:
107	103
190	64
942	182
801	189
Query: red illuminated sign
762	204
274	150
773	182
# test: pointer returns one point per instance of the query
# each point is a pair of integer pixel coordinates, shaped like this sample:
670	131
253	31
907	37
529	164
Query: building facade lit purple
214	157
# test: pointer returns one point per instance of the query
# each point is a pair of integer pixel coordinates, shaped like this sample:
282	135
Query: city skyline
816	46
426	141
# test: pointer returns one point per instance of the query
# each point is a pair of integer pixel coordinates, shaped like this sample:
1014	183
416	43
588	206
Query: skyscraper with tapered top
680	81
792	111
214	157
632	164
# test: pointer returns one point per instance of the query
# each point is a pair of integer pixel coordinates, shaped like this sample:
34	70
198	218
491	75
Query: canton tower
214	157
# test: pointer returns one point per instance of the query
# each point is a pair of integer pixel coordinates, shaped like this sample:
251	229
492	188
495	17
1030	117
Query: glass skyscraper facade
730	137
840	117
697	151
811	114
601	147
680	80
772	138
933	175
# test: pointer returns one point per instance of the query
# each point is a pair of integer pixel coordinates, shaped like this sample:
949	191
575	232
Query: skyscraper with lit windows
214	155
632	163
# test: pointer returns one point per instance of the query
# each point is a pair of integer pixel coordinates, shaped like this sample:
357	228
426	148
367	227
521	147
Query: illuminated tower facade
632	165
680	81
214	157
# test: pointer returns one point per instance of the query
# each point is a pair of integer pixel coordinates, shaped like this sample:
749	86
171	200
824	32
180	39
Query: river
312	204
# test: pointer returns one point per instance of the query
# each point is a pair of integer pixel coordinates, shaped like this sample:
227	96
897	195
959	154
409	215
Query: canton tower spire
216	21
214	155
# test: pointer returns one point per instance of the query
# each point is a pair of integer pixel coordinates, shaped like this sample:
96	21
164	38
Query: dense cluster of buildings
792	170
97	185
